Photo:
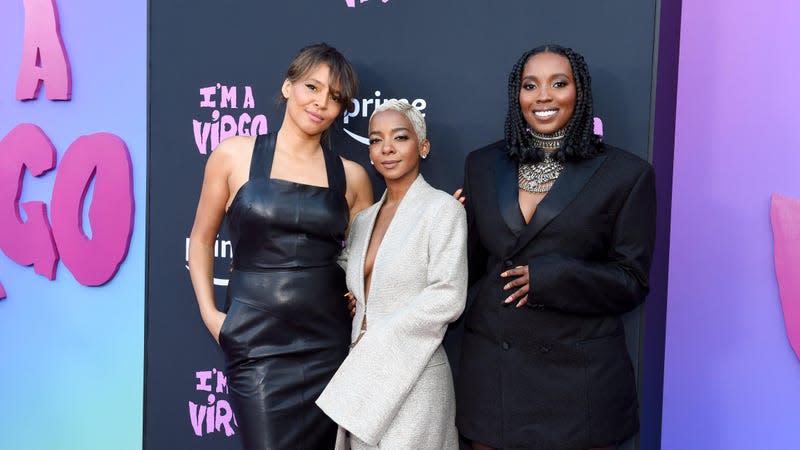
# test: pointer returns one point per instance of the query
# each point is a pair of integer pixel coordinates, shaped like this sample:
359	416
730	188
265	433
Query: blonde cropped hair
413	114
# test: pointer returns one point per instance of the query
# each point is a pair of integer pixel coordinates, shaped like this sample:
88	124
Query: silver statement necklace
540	177
548	141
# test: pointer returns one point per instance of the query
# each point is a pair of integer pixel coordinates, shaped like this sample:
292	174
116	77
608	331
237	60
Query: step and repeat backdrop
216	69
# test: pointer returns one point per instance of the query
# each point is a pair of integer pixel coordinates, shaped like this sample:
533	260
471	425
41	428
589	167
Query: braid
518	140
580	142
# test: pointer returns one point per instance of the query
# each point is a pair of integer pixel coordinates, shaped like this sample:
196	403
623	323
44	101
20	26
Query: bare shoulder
359	187
233	149
231	155
357	177
354	170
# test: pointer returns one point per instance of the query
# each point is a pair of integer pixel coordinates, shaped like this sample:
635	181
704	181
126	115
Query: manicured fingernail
508	300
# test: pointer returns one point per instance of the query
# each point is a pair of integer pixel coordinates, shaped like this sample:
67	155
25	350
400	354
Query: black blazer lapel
507	196
567	186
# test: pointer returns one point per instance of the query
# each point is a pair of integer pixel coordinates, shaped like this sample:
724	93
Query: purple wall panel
731	379
72	356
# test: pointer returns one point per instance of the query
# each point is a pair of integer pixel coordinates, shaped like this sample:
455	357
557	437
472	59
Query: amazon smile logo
363	108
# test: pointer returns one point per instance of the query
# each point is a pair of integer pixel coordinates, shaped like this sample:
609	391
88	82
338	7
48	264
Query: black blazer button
508	263
544	349
505	345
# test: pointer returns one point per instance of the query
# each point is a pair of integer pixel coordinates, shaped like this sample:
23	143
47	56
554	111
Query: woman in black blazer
561	235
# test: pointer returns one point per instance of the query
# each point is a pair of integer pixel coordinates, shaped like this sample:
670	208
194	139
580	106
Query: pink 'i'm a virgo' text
216	415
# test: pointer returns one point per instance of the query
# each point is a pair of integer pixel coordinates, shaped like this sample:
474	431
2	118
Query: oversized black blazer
554	374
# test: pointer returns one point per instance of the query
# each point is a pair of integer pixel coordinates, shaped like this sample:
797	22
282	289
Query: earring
424	156
372	162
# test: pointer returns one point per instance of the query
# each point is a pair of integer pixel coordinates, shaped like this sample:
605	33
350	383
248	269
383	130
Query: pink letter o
105	157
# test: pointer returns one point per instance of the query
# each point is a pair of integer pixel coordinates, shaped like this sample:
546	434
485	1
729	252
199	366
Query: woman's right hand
521	281
213	320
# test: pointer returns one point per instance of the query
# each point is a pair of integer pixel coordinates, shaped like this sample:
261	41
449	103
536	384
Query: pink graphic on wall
217	415
231	120
26	242
102	158
44	58
785	217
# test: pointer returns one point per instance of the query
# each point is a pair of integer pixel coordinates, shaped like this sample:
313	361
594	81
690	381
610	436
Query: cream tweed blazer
395	388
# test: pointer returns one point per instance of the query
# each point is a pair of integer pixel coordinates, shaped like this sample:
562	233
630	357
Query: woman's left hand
521	281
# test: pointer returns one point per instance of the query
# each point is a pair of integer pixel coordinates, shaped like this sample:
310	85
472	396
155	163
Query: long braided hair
580	142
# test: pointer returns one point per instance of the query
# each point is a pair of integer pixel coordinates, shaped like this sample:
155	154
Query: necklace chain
548	141
539	177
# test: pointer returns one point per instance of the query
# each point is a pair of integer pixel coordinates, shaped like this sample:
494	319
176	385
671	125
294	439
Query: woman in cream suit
408	271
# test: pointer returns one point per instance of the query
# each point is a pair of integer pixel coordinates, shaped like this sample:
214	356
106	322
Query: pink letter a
44	58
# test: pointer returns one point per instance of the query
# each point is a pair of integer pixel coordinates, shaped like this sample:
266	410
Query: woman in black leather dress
287	203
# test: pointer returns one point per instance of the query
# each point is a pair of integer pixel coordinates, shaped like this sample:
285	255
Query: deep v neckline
387	234
535	208
379	245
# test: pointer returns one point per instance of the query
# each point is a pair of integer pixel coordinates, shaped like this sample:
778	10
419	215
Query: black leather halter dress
287	328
